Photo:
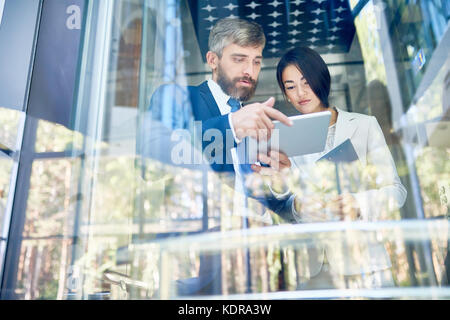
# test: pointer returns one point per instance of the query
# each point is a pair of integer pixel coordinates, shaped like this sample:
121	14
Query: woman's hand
311	208
316	208
345	206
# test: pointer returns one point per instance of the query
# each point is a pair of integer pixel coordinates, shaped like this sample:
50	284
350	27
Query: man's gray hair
235	31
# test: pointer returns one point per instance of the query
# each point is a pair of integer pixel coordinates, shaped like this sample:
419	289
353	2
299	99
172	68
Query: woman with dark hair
305	81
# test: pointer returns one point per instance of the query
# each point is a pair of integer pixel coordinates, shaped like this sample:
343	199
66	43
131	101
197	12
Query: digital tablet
308	134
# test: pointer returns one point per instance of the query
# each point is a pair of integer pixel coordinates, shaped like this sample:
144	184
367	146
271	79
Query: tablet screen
307	135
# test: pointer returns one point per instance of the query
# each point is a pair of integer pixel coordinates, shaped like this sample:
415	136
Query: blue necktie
241	150
234	104
244	166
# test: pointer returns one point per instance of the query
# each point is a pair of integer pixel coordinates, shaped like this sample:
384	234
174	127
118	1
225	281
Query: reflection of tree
5	176
433	166
369	39
431	163
380	107
39	268
49	208
52	137
9	124
49	215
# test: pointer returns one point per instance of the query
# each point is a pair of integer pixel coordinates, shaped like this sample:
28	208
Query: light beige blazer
356	253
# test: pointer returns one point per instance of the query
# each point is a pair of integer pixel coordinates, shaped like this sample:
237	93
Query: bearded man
235	58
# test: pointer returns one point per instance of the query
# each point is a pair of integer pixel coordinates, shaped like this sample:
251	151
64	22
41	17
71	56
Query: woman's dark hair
313	68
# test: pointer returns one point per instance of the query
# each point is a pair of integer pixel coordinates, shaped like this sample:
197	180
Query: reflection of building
71	181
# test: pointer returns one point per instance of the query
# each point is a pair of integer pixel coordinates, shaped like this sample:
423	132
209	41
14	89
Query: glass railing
377	260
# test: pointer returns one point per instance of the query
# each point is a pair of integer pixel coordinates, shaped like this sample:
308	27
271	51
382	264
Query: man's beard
229	86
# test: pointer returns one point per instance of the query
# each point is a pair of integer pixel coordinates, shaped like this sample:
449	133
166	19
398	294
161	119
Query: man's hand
255	120
275	174
278	161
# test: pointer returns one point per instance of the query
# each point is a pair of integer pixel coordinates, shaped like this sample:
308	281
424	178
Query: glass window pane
17	38
126	202
43	271
162	196
11	124
6	166
51	199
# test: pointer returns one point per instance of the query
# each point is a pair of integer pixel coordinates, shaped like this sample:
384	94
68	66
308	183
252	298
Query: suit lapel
209	101
345	127
205	108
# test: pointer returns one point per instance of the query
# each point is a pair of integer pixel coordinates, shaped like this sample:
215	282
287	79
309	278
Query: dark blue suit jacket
206	110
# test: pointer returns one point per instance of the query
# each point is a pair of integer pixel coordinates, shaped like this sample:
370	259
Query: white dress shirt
239	200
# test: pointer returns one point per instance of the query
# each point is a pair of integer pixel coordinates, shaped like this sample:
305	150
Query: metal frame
18	194
20	182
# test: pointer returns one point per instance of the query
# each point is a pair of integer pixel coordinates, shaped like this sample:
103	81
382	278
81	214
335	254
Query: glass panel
17	38
123	203
51	200
430	114
43	202
53	137
417	28
286	256
162	202
43	269
6	166
11	122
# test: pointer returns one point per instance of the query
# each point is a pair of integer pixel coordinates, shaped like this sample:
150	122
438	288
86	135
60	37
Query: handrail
379	293
411	230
